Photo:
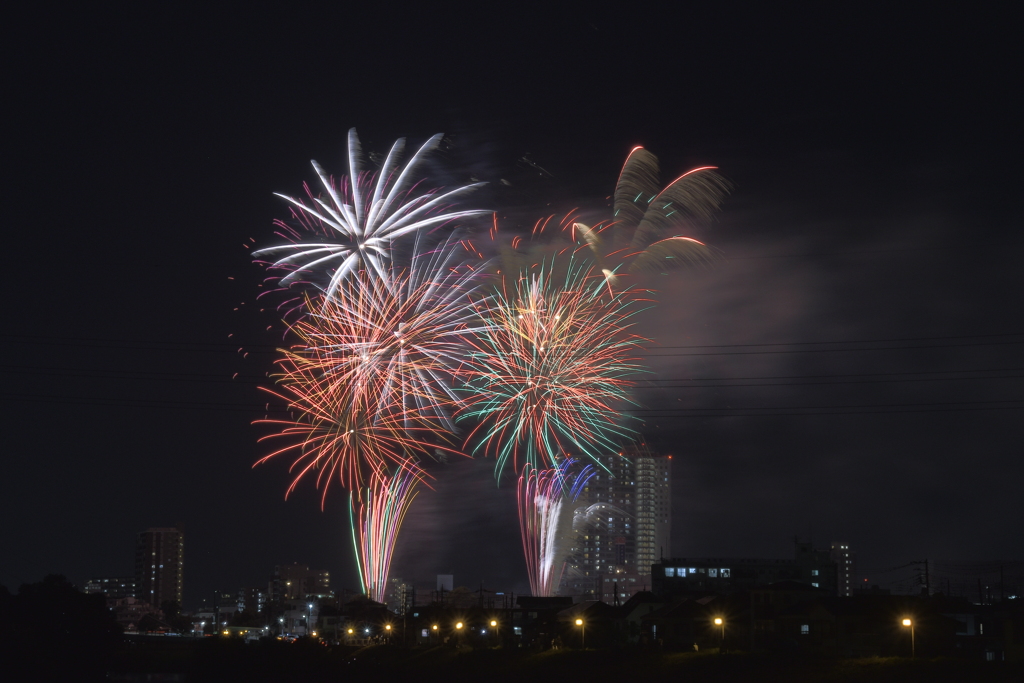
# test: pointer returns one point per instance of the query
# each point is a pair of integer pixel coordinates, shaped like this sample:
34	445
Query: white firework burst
360	217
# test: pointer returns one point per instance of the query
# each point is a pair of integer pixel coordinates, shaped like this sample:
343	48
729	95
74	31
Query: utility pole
753	622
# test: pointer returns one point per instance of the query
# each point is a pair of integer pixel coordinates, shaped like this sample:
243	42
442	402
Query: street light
387	628
458	633
583	634
720	622
910	623
309	618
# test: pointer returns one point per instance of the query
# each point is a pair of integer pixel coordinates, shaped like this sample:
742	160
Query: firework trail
542	494
549	365
376	513
356	223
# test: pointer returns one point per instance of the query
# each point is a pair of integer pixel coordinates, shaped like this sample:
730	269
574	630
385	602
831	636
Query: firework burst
359	218
551	363
370	382
643	233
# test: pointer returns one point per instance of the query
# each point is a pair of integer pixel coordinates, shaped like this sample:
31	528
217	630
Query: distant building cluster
157	583
807	603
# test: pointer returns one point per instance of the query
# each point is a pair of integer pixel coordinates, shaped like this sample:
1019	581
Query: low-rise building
689	575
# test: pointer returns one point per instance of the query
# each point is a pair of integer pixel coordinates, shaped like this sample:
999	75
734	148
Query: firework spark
367	212
549	366
542	496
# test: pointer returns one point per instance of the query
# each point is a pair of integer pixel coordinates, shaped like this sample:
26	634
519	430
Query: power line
266	407
825	380
134	375
264	348
865	374
844	407
847	341
871	348
826	384
845	412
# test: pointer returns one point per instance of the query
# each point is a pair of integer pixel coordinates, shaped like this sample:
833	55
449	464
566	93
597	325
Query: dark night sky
871	246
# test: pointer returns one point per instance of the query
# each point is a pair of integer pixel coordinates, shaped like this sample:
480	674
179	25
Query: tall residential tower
846	567
159	561
621	526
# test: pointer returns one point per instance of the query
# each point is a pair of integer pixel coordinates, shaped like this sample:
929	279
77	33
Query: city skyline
832	567
845	369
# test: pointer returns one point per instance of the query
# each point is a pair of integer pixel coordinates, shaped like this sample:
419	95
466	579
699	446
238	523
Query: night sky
869	277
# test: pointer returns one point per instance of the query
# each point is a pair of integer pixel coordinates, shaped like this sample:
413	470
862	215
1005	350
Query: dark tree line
52	631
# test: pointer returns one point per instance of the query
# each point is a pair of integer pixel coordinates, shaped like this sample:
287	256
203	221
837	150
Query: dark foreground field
219	660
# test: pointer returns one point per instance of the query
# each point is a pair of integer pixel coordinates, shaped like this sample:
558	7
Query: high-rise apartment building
159	562
297	582
653	513
846	566
401	595
621	525
251	600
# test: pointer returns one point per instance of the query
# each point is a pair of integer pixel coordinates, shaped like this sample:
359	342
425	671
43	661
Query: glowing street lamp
387	629
720	622
583	633
458	626
910	623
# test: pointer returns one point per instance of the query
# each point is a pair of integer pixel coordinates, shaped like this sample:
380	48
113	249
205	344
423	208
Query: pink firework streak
376	514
